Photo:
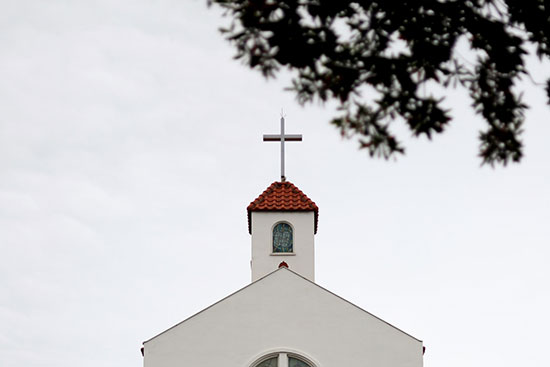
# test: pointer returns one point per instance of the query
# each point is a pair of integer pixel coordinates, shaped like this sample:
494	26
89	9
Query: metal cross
282	138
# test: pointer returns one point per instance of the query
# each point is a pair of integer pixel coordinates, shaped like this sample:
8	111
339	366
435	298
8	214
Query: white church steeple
283	222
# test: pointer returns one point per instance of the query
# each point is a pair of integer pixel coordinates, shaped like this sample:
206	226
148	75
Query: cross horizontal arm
287	137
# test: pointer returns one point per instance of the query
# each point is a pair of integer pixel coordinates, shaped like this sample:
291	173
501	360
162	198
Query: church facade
283	318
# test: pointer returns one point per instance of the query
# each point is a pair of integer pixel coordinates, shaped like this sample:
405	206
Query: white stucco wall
301	261
283	312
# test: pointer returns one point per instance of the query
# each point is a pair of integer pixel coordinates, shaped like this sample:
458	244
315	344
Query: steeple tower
283	222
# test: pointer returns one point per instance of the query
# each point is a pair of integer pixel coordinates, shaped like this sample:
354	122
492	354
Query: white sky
130	146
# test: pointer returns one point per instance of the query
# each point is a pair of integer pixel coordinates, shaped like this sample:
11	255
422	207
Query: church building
283	318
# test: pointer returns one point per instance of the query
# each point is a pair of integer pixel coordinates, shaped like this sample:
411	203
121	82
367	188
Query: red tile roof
282	196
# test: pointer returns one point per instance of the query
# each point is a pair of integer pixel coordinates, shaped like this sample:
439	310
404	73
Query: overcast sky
130	146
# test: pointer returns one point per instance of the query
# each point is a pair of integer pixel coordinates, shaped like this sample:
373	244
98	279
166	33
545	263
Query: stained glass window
271	362
282	238
293	362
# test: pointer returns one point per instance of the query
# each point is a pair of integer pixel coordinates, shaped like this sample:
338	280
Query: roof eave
315	216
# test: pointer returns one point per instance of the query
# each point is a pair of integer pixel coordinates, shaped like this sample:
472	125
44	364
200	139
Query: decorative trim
282	253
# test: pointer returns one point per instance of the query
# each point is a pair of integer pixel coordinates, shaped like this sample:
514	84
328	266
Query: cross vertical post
282	148
282	138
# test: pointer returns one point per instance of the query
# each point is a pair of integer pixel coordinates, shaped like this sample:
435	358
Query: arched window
282	359
282	238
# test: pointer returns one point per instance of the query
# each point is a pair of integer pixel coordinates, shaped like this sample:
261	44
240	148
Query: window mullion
283	360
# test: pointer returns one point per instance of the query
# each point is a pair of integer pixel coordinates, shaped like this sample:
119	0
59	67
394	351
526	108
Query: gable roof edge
212	305
267	275
354	305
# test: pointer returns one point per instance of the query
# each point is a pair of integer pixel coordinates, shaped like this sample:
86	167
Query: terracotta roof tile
282	196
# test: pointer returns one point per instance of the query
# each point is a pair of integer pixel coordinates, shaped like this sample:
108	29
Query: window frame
265	358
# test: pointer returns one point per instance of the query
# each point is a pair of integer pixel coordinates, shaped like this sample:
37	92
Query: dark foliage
396	50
